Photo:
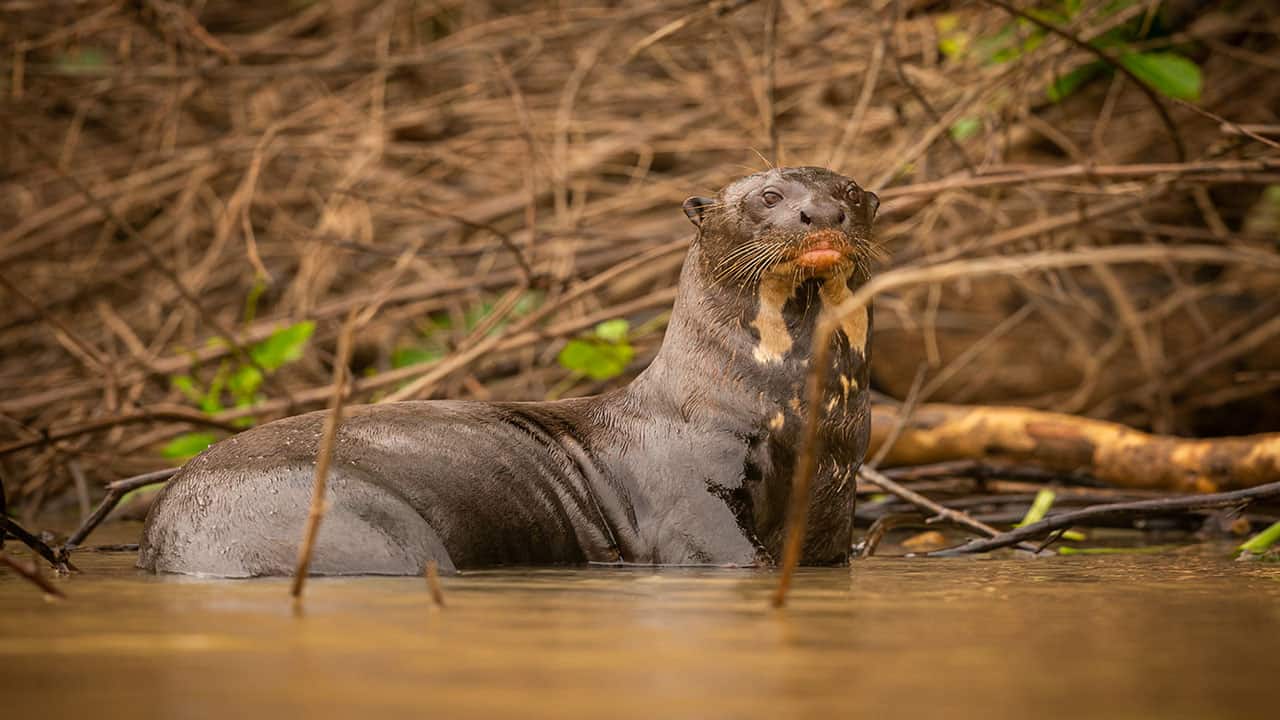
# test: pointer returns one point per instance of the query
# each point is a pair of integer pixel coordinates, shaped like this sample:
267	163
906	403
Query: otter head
784	224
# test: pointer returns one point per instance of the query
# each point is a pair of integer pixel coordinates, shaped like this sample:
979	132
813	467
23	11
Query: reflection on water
1182	635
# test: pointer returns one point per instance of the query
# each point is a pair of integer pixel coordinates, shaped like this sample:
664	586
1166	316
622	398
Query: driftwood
1111	453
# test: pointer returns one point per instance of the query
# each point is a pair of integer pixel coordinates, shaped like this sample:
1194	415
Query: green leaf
140	492
614	331
1166	72
952	41
1065	85
1149	550
1261	542
187	386
251	300
87	58
188	446
965	127
244	384
995	49
596	359
527	303
435	323
406	356
1039	507
211	402
284	346
475	313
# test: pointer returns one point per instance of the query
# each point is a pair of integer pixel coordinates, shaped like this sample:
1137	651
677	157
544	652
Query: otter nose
816	215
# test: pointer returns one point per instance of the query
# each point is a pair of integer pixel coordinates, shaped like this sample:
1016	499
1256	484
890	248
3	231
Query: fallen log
1112	453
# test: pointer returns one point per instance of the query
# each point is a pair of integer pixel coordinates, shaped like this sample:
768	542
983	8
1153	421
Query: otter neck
735	352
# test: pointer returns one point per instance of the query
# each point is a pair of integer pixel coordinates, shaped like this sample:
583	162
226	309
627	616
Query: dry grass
431	158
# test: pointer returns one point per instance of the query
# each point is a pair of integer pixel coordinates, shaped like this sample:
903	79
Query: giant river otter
689	464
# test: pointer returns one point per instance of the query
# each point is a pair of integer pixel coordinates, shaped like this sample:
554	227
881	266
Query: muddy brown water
1185	634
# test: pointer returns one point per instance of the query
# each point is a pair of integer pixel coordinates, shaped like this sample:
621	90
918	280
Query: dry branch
324	456
31	573
1139	508
1109	452
936	510
115	492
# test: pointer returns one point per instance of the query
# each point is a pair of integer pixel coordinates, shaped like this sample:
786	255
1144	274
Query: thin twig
882	526
903	416
31	572
889	38
115	491
1106	58
770	79
22	535
433	583
1138	508
154	414
717	8
981	471
324	455
89	351
955	517
853	127
142	244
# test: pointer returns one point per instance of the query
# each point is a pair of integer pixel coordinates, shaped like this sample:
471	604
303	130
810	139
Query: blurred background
195	195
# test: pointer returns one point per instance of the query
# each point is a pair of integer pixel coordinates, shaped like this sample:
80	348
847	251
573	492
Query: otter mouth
822	250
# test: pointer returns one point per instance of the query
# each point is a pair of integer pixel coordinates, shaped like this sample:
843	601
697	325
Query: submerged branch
115	493
1138	508
939	512
31	572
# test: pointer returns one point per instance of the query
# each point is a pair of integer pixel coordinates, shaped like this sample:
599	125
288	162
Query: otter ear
695	206
873	204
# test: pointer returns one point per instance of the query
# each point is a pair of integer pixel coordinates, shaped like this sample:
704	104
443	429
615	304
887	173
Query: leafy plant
602	354
1164	70
238	379
1145	550
414	355
1064	85
965	127
1260	543
1040	507
185	447
1168	73
83	60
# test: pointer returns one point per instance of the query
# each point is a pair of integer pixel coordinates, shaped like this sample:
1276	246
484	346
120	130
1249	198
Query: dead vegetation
186	181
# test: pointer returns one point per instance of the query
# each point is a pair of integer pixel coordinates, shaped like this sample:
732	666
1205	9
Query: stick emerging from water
433	583
324	455
31	573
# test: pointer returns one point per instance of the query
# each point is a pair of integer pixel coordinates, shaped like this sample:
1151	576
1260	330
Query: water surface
1181	635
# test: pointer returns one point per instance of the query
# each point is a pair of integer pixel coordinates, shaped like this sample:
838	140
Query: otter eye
771	198
854	192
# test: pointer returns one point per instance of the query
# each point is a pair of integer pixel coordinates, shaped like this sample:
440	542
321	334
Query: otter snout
812	213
